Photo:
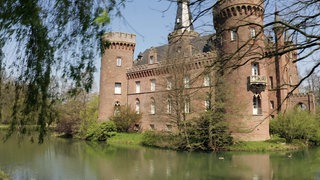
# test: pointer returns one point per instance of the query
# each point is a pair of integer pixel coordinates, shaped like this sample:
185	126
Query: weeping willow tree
51	38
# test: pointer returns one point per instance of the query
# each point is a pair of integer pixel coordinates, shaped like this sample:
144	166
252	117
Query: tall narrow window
117	88
271	104
271	82
119	61
137	86
256	101
207	102
187	105
206	80
255	69
151	60
233	34
169	105
152	84
116	108
186	81
137	106
153	106
253	33
169	83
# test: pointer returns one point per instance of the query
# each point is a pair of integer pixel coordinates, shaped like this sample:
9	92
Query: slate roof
200	45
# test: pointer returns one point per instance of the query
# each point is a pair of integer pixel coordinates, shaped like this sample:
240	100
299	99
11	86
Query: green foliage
103	18
101	132
208	133
126	119
161	139
89	115
4	176
126	138
52	38
296	124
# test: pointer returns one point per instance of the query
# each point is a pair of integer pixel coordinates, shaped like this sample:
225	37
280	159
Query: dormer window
178	20
151	59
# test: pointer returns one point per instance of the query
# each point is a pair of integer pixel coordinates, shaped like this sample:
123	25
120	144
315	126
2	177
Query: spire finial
183	18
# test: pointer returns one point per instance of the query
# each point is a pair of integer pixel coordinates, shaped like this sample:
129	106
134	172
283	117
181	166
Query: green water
70	159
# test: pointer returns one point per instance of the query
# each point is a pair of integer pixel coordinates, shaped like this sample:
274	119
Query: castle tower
116	59
179	39
240	42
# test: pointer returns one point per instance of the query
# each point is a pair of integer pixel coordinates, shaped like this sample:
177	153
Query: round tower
116	59
240	41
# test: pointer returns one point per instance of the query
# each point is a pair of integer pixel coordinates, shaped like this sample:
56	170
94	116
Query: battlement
120	37
225	9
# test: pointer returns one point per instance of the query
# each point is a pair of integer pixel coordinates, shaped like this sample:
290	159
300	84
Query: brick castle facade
185	77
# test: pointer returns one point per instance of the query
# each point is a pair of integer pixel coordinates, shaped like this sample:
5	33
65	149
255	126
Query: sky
151	21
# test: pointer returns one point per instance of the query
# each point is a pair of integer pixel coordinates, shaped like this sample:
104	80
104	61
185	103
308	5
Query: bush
207	133
161	139
296	124
126	119
101	132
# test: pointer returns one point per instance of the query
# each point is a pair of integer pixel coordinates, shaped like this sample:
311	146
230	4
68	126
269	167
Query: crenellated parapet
225	9
120	40
198	61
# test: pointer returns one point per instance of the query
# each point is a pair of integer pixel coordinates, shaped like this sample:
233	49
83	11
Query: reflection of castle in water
256	90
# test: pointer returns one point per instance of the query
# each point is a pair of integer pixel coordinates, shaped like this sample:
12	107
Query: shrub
126	119
161	139
101	132
207	133
296	124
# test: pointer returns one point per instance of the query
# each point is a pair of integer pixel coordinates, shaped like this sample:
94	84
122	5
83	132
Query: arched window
301	106
255	69
116	108
137	106
153	106
256	102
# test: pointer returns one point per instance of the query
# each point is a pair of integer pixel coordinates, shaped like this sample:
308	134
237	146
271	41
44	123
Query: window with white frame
256	101
206	80
117	88
137	86
153	106
233	34
253	32
255	69
151	59
152	84
186	81
119	61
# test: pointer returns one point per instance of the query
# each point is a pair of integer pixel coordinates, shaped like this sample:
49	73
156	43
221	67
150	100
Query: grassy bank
274	144
265	146
126	138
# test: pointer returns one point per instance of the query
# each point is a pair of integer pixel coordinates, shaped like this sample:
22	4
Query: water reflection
69	159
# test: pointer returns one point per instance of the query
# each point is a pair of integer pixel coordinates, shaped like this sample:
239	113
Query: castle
187	76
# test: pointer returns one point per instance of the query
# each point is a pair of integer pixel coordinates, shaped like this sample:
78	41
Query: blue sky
151	21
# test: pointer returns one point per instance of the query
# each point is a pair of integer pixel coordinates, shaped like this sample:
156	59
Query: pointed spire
183	18
277	17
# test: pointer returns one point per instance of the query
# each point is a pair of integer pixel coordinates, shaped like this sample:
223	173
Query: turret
240	42
179	39
116	59
183	28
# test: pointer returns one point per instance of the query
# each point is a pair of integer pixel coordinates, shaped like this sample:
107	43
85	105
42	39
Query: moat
71	159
